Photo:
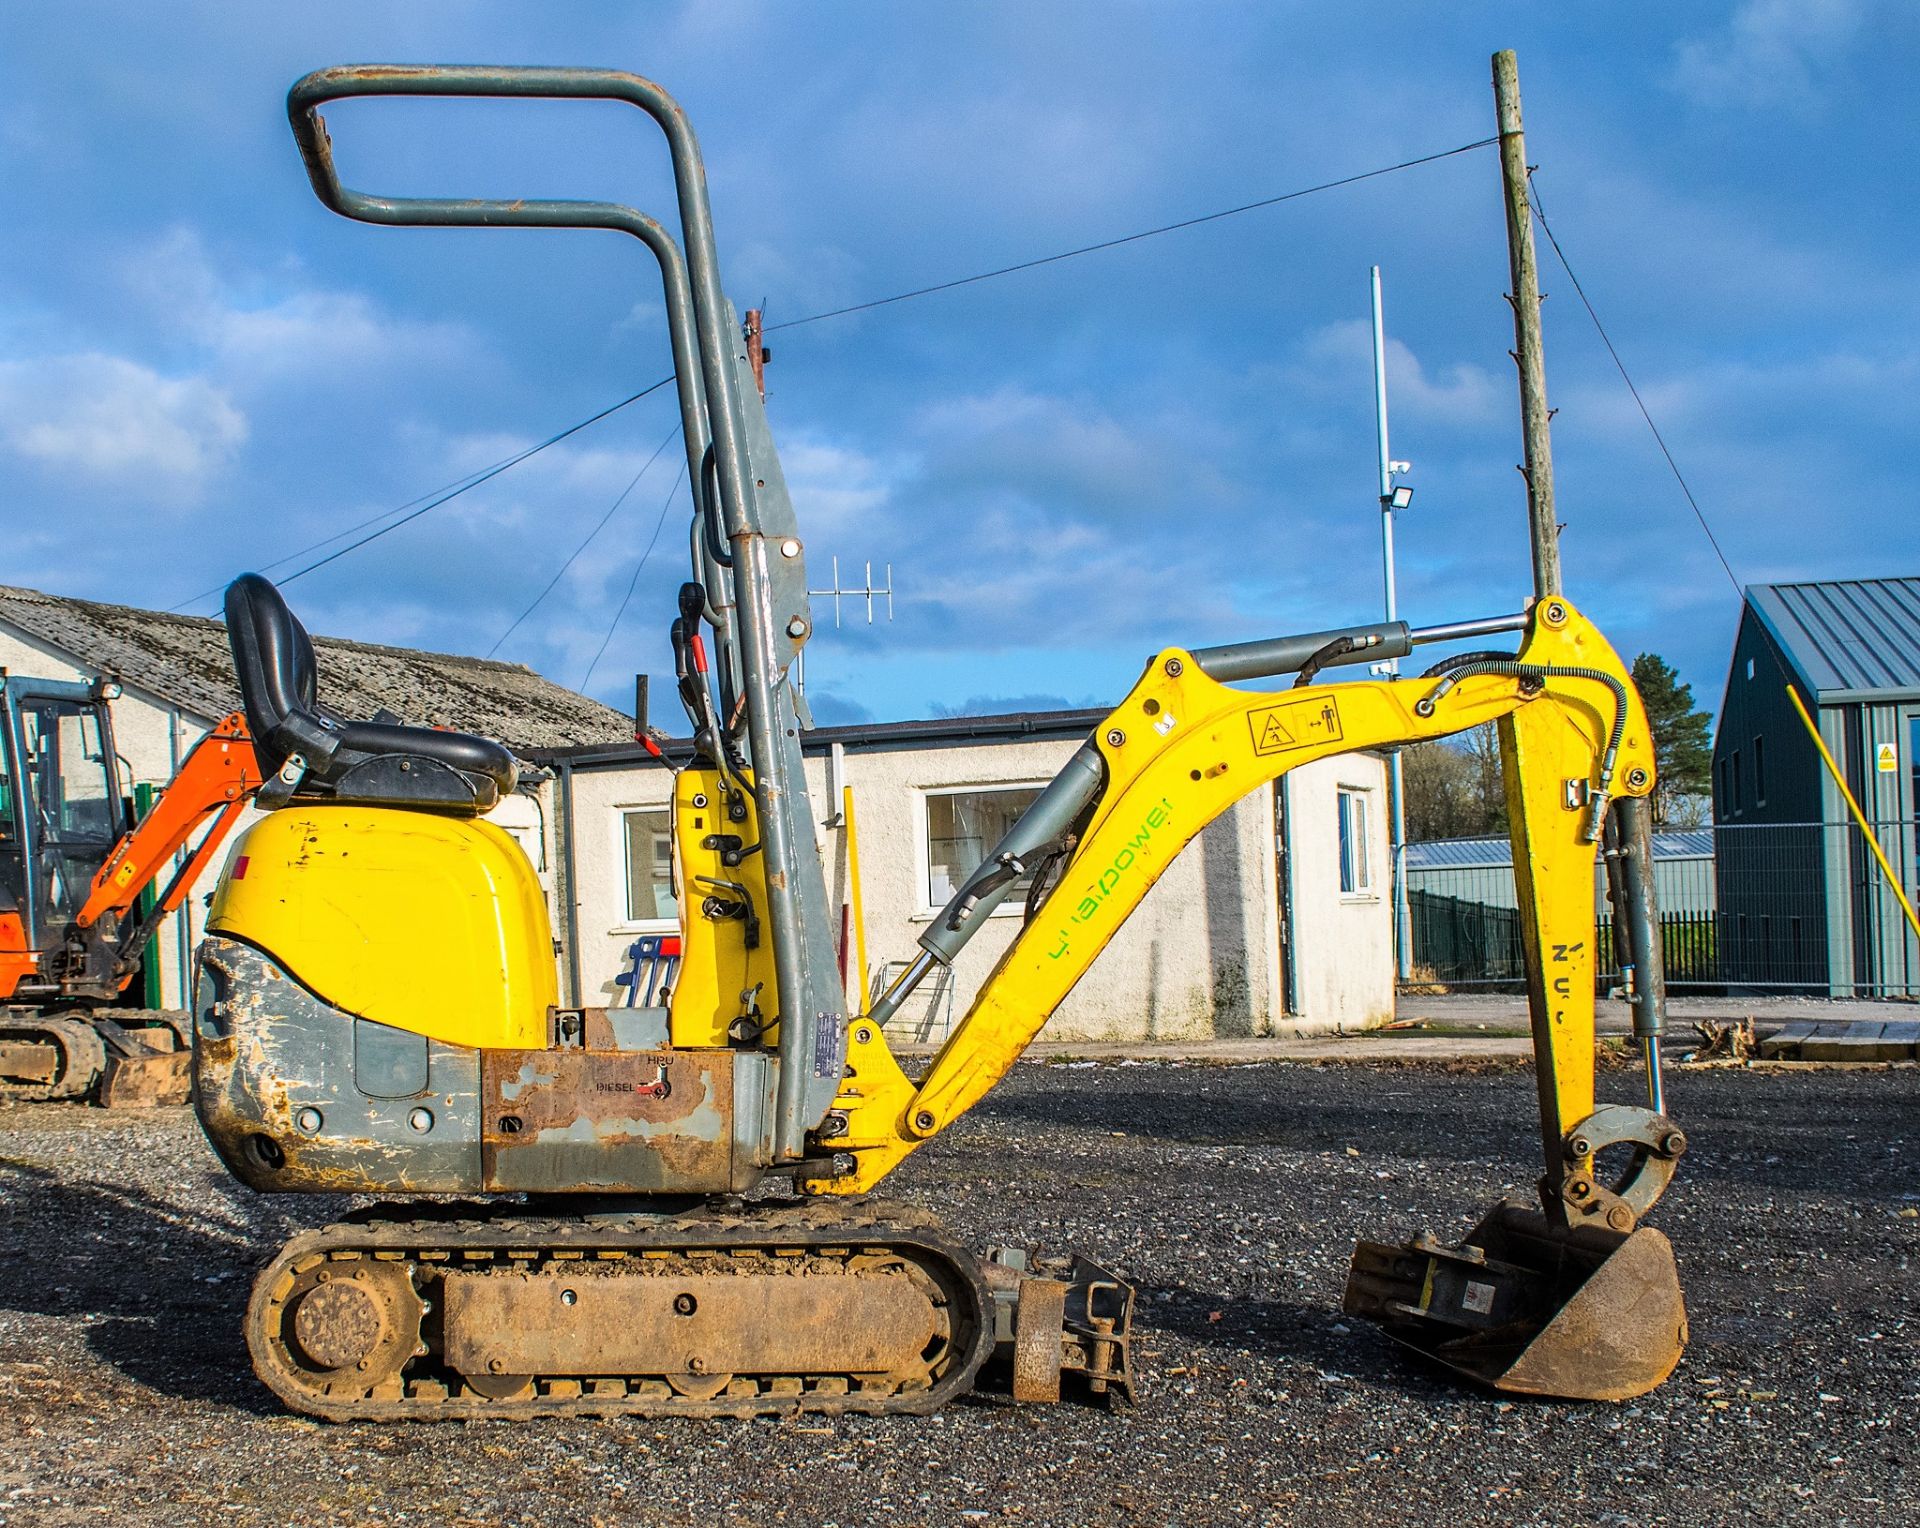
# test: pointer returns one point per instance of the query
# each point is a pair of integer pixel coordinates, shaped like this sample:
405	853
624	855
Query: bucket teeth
1529	1306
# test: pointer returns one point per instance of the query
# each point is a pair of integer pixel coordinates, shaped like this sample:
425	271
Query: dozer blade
1528	1306
149	1060
1058	1320
150	1081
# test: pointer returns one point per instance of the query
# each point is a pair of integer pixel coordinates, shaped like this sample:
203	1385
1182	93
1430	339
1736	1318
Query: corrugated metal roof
1497	853
1459	854
183	659
1852	638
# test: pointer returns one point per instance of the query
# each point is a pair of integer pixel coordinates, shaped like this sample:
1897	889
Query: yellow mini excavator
377	1008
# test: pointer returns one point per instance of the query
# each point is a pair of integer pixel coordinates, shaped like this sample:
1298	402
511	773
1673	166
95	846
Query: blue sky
201	370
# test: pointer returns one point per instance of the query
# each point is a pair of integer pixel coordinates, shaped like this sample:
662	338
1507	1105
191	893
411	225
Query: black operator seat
371	763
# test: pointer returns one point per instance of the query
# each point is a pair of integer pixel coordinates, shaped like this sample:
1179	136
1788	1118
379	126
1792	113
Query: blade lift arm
1178	753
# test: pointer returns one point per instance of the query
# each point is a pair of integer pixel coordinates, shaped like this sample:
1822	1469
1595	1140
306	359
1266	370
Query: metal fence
1760	907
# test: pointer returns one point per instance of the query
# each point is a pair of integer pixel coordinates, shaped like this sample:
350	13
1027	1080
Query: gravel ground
1230	1194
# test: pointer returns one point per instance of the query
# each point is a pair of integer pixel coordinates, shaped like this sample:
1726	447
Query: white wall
1342	943
1198	959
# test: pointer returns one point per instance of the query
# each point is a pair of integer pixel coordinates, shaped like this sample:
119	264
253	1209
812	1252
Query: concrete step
1859	1040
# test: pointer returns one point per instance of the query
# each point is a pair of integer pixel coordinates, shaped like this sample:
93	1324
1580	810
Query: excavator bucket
1532	1307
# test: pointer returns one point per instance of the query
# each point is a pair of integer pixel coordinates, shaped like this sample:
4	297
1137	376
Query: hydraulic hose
1509	668
1457	660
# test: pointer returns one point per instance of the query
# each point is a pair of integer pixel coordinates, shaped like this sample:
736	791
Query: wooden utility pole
1527	351
1628	831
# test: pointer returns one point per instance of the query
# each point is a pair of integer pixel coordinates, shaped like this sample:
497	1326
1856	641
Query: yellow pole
1859	817
853	892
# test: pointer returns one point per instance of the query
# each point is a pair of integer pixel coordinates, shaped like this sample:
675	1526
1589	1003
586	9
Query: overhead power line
460	486
586	541
347	530
1540	214
634	582
1135	238
491	472
438	497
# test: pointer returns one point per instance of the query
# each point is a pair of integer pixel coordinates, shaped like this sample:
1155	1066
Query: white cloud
1770	53
254	334
1747	403
1067	457
838	491
309	329
164	435
1460	394
109	420
795	280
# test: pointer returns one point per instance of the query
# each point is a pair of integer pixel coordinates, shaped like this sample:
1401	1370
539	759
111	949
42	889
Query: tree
1452	788
1682	738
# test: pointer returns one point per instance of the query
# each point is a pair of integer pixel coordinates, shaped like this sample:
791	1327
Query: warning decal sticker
1297	724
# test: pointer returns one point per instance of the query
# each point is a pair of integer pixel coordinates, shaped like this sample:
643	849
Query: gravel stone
1231	1195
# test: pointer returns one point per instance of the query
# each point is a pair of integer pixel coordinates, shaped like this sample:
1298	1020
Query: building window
649	838
1736	782
1749	671
1356	845
962	825
1759	772
1726	796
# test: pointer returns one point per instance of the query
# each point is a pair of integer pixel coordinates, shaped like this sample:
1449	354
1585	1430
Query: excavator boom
1179	752
216	780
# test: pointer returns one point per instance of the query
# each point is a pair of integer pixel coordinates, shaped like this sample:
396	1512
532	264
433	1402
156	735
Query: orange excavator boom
217	778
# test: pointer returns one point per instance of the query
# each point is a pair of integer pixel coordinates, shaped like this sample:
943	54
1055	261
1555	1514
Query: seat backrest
273	660
374	762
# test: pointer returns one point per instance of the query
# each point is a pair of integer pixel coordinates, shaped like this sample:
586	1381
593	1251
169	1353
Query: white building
1276	918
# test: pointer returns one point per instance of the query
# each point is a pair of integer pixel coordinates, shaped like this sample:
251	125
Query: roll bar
809	985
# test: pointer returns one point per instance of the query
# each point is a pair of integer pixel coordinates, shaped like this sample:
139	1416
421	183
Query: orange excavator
76	871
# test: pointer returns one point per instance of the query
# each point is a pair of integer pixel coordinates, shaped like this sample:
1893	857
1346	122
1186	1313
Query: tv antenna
868	590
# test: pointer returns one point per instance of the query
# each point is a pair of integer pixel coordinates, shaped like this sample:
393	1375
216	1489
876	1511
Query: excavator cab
61	812
79	899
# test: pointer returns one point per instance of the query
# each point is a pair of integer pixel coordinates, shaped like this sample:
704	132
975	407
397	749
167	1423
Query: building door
1902	843
1283	897
1889	767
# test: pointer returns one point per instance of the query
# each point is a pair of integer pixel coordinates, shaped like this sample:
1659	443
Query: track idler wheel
340	1326
1575	1300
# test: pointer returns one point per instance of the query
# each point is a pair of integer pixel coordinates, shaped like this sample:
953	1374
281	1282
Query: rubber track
77	1041
815	1225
